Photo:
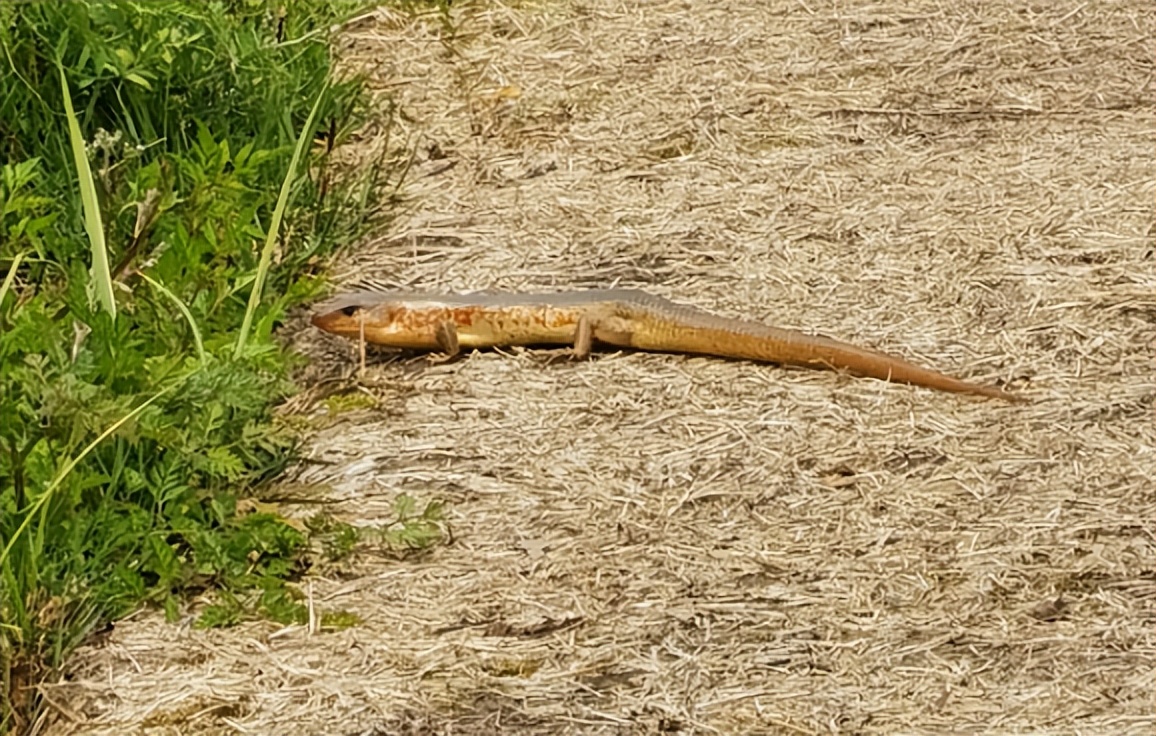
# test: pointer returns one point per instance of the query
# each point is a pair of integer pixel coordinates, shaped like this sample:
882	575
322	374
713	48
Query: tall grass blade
275	226
11	275
101	278
184	310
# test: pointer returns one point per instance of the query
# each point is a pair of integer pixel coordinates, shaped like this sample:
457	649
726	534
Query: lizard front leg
361	342
583	338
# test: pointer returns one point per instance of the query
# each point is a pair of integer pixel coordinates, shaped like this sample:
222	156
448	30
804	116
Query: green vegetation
155	226
338	404
411	531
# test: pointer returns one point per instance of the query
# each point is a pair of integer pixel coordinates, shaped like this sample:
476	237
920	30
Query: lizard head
345	314
391	319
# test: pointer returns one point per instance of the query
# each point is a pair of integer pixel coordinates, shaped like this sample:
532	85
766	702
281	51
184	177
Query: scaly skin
620	317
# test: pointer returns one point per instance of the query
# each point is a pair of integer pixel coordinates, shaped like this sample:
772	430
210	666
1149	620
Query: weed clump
143	147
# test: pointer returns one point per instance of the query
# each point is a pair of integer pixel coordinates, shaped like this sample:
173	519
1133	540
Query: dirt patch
661	544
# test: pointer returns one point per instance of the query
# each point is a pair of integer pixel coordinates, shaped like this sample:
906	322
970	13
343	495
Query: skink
624	318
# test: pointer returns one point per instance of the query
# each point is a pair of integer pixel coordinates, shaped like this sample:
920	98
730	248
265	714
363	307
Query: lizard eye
350	310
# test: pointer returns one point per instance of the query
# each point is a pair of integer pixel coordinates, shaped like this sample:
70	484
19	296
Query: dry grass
651	543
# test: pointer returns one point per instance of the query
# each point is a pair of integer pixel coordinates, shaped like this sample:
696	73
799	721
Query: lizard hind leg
446	335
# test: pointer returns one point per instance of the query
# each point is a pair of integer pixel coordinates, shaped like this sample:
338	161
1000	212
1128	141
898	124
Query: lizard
626	318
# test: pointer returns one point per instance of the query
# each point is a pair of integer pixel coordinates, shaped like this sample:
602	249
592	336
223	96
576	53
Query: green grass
154	159
274	228
101	279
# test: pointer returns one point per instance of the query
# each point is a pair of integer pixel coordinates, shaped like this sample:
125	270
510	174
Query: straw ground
660	544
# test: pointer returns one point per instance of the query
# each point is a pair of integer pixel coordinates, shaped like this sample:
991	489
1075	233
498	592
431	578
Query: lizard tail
754	341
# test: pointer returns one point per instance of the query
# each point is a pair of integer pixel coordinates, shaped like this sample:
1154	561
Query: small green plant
343	403
336	538
338	620
412	530
250	563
